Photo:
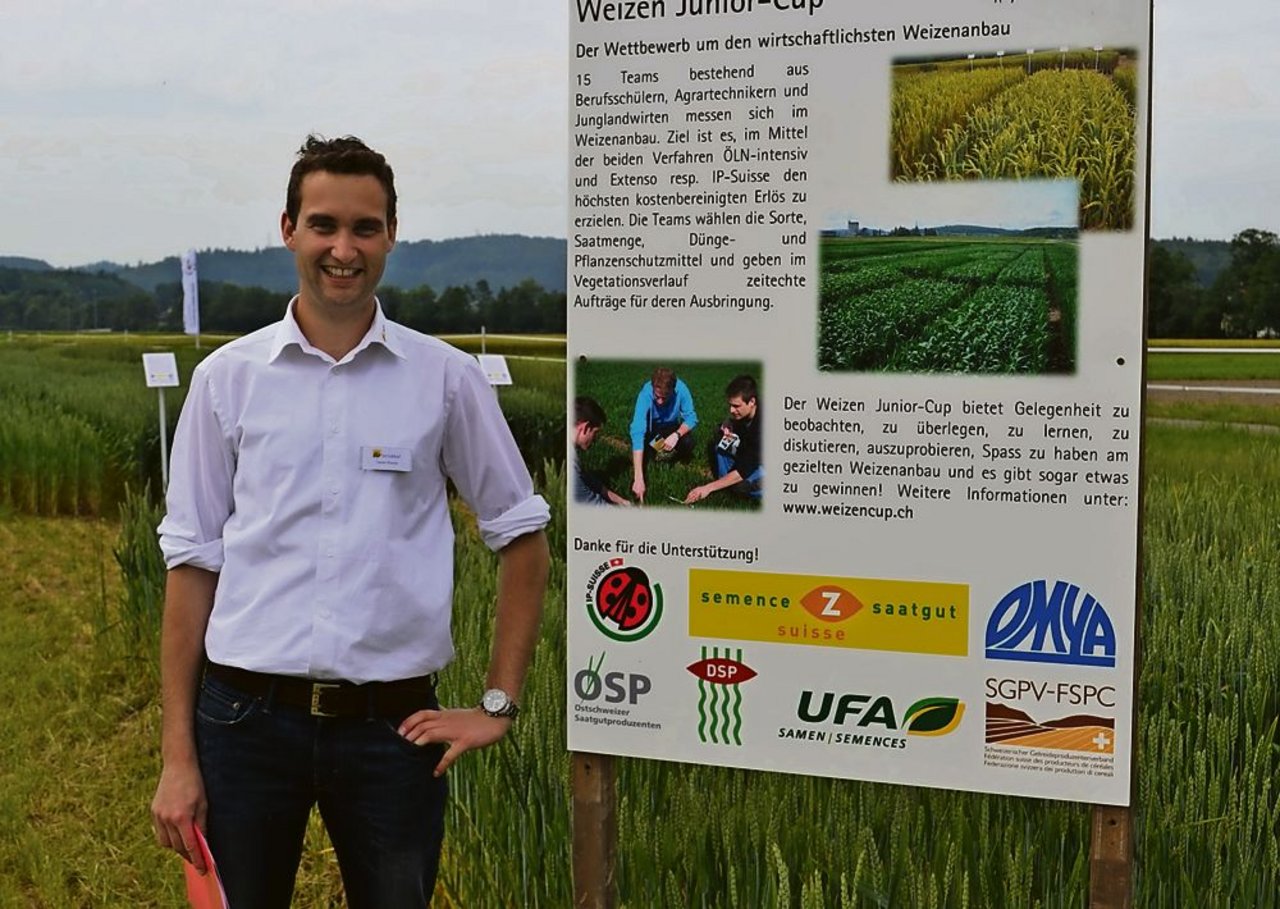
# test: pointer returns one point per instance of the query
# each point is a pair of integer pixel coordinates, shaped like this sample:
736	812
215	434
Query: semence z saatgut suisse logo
1036	624
622	602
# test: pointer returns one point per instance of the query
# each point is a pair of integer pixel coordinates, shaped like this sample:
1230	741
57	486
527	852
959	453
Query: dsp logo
623	603
719	697
1065	625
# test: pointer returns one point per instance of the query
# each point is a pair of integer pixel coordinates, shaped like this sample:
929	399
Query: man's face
584	435
740	409
341	240
660	397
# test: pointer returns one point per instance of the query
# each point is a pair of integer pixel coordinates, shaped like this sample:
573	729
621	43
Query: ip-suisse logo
624	604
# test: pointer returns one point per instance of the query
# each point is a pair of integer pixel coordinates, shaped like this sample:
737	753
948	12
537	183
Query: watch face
495	701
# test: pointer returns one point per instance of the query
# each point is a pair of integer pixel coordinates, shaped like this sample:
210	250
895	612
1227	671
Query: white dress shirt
317	490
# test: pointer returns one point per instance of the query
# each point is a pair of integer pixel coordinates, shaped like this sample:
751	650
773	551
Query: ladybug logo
622	602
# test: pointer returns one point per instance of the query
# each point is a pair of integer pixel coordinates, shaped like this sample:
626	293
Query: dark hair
588	410
664	380
347	155
743	387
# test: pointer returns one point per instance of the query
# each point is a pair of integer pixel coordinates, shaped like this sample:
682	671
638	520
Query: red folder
204	891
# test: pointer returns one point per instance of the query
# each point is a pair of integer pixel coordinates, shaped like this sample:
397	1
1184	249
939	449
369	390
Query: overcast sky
178	120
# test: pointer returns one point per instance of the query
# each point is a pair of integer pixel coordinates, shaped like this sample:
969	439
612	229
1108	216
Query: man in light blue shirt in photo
661	424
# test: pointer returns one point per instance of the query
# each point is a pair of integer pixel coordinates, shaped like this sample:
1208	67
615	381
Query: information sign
495	368
856	290
161	370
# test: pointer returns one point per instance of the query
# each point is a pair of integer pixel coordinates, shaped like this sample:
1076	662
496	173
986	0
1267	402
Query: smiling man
310	556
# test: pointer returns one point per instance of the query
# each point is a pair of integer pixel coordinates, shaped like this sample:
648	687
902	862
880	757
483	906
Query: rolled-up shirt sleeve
202	472
481	458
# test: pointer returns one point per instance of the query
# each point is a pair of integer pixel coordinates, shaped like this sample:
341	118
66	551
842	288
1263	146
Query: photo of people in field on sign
982	281
1056	113
675	434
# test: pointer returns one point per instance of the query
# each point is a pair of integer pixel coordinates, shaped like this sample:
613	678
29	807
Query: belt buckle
316	689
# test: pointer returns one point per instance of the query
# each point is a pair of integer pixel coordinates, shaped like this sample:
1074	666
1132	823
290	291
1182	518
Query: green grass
1213	342
1165	367
1261	414
615	385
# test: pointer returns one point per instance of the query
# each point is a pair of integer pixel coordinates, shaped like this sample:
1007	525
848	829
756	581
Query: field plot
80	640
947	305
78	426
1047	116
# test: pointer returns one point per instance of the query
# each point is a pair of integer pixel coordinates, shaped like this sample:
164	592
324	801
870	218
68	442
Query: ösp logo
622	602
590	683
1064	625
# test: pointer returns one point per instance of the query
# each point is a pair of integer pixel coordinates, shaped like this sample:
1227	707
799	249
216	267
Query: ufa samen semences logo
622	602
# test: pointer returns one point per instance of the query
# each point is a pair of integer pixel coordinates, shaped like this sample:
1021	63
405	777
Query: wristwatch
497	702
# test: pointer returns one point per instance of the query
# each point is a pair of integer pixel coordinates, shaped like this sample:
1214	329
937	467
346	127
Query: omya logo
622	602
719	698
1062	625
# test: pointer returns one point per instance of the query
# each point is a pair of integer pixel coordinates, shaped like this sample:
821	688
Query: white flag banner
190	294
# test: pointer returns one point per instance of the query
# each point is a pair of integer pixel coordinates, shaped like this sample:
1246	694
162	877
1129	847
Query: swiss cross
1102	740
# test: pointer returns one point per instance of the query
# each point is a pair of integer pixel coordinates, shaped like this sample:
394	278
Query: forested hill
503	283
1207	257
502	260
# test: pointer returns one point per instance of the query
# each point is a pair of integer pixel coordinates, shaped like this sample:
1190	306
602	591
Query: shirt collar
381	331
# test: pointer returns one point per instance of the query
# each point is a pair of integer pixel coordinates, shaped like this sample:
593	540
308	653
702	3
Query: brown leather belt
331	698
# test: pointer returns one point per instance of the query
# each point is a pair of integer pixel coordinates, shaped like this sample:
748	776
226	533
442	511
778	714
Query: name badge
384	457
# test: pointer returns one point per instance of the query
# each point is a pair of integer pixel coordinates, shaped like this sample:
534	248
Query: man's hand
179	806
697	494
638	488
671	441
461	728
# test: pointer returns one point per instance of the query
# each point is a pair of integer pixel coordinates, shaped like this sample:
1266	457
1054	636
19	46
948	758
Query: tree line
1242	301
65	300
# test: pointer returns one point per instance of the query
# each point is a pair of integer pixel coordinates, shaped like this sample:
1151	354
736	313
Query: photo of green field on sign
970	304
1065	113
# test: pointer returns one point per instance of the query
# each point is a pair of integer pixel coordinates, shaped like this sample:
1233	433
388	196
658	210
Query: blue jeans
751	485
265	765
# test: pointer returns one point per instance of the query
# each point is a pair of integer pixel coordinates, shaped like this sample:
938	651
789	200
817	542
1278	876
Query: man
309	550
735	455
588	488
661	424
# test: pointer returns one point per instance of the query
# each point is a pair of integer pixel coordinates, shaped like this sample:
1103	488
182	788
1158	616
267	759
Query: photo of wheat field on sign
972	304
1065	113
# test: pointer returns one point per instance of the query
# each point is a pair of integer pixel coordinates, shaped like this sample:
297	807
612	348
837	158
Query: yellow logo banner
856	613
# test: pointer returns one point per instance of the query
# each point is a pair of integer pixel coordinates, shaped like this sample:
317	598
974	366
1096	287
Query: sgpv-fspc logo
1035	624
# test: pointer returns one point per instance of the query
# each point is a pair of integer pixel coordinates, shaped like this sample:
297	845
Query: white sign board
495	368
161	370
857	292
